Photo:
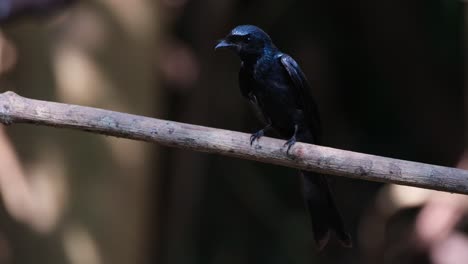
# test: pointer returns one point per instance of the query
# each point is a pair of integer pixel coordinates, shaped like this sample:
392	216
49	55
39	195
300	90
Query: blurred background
389	78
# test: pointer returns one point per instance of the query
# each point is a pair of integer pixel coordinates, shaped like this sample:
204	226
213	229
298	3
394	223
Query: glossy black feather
304	99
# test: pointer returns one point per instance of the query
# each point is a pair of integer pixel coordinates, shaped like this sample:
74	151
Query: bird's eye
248	39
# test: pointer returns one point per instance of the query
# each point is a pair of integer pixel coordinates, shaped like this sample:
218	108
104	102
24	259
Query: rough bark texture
17	109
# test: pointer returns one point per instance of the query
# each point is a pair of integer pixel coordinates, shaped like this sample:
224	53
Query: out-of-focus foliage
75	197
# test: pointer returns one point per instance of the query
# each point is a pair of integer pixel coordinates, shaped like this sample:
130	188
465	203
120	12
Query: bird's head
247	41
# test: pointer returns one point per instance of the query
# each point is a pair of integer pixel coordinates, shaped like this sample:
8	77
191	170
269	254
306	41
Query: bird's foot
290	143
256	136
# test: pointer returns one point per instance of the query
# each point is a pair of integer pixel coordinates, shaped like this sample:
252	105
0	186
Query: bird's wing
301	91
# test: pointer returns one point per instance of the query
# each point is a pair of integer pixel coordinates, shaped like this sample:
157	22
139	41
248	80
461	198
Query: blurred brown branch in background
17	109
7	54
35	201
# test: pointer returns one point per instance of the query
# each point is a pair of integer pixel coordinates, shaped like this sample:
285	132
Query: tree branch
17	109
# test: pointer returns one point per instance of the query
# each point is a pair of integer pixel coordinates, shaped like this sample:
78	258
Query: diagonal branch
17	109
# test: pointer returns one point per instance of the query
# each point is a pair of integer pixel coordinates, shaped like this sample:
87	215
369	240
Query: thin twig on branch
17	109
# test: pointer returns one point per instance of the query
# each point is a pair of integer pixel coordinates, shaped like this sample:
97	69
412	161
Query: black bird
275	84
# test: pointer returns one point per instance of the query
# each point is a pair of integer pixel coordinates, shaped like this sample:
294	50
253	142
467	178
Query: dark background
388	76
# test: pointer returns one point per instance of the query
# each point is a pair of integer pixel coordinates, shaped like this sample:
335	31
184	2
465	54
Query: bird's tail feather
324	215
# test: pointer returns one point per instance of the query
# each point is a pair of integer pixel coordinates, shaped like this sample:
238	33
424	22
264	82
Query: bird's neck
250	60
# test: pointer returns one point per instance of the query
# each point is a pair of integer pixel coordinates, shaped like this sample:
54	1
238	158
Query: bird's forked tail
323	212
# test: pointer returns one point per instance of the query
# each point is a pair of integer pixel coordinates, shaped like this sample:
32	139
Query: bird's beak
223	44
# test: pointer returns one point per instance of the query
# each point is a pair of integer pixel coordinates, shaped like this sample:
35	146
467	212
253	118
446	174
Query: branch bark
17	109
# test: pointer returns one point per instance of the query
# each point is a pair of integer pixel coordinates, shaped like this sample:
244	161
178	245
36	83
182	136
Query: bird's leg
257	135
292	140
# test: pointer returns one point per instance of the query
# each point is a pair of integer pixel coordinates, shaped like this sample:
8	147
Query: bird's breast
273	95
276	105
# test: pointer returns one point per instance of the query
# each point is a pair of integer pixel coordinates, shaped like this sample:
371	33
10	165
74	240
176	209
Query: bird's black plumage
274	83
